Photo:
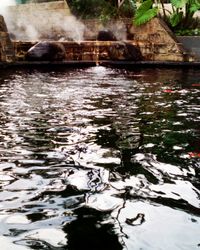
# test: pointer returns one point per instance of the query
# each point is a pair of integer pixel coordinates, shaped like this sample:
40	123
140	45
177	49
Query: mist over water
34	22
39	21
4	4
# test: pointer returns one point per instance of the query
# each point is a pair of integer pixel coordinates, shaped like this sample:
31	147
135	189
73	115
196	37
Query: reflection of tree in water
156	130
88	231
151	116
123	132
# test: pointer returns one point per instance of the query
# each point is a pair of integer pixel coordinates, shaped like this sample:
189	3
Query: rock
3	26
12	36
106	35
7	53
124	51
46	51
132	52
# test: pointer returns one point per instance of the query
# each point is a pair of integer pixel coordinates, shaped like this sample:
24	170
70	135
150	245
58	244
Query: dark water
100	158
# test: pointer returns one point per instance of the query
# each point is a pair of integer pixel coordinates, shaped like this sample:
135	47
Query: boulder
106	35
46	51
124	51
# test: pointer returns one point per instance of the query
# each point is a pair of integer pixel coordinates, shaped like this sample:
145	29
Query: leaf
145	13
145	6
147	16
194	7
179	3
176	18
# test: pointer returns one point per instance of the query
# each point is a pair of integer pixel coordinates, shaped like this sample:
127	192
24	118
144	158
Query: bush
102	9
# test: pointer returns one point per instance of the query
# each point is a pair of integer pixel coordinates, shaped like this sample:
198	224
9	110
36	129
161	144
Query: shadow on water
90	231
99	158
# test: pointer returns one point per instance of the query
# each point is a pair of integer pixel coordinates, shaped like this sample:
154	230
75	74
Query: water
100	158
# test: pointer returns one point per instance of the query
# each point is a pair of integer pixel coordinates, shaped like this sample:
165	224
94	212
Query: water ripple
113	154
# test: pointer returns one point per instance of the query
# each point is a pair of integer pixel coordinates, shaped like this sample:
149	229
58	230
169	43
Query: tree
102	9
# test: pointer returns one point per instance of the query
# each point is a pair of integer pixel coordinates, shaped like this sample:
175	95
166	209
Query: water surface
100	158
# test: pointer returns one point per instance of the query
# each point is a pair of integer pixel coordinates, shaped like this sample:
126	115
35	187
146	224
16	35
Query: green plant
145	12
188	32
102	9
180	16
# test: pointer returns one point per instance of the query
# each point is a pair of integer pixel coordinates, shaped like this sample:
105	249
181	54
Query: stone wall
53	21
6	46
155	40
104	51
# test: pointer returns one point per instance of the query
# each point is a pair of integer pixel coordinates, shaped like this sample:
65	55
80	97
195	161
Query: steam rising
118	28
49	21
4	4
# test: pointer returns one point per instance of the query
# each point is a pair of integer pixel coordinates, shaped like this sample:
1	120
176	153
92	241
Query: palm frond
147	16
179	3
194	7
176	18
145	6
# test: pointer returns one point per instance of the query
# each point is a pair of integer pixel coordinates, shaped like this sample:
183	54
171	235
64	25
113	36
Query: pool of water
100	158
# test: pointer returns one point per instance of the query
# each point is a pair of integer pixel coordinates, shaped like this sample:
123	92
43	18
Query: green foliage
86	8
194	7
147	16
176	19
145	6
127	9
188	32
102	9
179	3
180	17
145	13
